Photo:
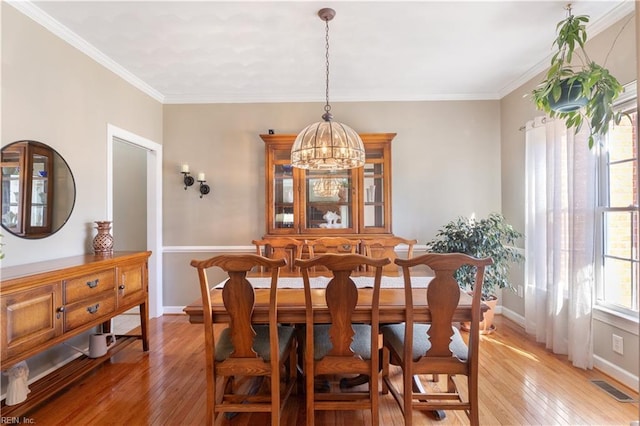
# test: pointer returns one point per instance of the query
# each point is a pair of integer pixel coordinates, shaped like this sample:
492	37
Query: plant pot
571	98
486	325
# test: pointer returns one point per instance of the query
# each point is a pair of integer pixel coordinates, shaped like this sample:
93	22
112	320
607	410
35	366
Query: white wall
53	93
445	163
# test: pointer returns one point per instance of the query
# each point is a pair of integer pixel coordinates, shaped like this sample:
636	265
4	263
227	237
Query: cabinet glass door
12	191
329	201
39	190
283	194
375	196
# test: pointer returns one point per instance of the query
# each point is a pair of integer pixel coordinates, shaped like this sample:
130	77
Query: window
618	265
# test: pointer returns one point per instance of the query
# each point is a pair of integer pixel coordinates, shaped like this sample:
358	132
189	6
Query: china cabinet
311	203
27	188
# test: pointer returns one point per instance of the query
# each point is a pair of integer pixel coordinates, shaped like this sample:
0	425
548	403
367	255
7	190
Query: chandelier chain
327	107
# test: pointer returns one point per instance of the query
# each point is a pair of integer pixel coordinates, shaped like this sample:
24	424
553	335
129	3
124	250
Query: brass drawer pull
59	311
93	309
94	283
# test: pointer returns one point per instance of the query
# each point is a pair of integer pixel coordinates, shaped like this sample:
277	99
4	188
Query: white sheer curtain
560	239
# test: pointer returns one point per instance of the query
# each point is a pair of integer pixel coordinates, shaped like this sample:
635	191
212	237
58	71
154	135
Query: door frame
154	207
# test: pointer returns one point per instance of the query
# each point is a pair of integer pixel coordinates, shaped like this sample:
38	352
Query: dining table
291	303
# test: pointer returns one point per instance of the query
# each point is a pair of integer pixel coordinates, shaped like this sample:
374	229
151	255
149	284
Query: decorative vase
103	241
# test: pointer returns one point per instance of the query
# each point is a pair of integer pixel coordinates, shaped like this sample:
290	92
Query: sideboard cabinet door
132	283
30	317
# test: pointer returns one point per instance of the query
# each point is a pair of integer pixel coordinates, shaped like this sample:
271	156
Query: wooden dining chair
437	347
280	248
245	349
386	247
341	347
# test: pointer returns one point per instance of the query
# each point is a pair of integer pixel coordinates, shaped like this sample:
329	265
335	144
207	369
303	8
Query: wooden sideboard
45	303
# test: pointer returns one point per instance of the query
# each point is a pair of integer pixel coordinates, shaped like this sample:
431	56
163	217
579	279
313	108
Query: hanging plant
582	93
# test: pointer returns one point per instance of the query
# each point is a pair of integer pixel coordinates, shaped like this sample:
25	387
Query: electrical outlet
618	344
520	291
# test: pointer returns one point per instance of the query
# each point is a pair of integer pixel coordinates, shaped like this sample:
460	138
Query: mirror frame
24	180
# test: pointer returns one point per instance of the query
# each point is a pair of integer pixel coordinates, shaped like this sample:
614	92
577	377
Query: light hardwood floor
520	384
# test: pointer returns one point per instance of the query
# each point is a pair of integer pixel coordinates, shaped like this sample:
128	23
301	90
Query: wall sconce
204	188
188	180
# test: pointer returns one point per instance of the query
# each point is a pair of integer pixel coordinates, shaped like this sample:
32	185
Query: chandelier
327	144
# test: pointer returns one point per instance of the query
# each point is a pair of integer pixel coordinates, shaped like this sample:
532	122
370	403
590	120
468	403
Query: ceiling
266	51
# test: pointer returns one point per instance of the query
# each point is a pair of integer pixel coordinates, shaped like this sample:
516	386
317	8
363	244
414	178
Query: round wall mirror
38	189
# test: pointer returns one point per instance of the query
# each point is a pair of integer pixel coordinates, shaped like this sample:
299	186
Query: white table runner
321	282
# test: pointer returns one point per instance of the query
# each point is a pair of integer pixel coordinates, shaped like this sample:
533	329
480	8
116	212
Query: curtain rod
544	120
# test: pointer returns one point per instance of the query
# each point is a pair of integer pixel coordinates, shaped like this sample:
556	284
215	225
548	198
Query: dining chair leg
293	368
309	392
408	381
385	370
275	398
474	412
211	395
375	400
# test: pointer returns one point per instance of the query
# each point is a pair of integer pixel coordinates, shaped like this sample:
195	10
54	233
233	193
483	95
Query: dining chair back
244	349
386	247
341	347
280	248
437	347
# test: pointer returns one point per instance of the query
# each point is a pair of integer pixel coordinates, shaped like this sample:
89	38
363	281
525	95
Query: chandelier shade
327	145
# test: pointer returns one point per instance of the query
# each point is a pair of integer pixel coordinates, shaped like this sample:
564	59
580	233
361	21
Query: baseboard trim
513	316
612	370
599	363
173	310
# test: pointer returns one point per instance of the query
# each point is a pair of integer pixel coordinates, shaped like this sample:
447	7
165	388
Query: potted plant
578	91
491	237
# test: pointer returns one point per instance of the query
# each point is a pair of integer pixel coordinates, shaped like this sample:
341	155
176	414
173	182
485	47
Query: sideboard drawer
89	285
86	311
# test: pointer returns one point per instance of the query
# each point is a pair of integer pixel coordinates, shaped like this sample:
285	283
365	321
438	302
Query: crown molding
595	28
235	99
39	16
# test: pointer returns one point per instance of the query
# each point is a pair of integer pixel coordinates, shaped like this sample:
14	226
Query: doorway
134	182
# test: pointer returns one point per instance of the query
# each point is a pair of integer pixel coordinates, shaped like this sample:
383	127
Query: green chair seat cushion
224	347
361	344
394	335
